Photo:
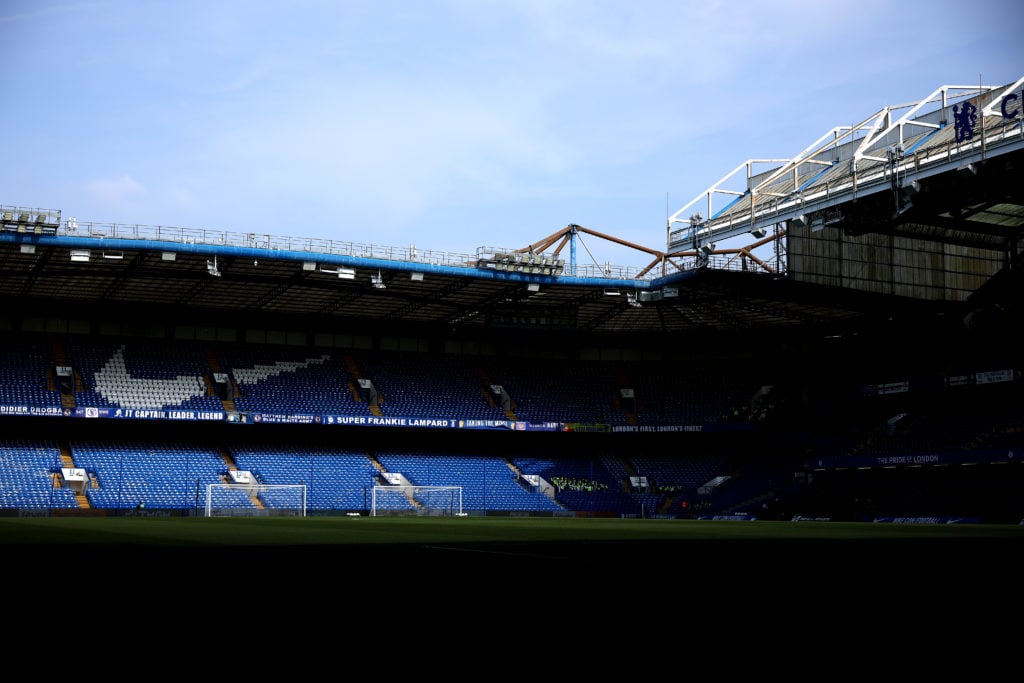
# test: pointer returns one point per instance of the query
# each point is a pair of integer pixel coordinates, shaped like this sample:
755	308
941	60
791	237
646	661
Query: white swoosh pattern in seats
115	384
258	373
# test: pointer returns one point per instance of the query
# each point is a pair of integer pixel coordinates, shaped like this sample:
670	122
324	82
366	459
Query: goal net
255	500
441	501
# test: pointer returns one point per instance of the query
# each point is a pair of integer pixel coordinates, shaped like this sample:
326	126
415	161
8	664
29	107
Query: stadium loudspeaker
759	232
800	221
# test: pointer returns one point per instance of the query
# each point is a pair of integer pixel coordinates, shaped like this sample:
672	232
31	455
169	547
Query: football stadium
824	351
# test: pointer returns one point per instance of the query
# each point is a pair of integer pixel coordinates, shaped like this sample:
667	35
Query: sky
451	125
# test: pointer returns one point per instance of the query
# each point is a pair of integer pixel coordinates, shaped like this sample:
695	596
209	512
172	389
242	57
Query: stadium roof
75	274
907	182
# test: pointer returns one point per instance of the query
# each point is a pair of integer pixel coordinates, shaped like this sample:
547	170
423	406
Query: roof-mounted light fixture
521	262
342	273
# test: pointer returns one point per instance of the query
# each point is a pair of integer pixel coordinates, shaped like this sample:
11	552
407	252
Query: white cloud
115	192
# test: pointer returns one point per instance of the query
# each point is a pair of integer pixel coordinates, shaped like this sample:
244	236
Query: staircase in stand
60	357
68	461
353	384
213	363
485	388
229	460
628	407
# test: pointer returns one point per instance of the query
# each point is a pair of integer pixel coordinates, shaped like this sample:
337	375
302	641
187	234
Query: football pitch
513	564
472	531
501	540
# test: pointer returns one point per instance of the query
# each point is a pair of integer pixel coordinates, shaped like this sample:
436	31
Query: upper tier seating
25	365
290	381
141	375
436	385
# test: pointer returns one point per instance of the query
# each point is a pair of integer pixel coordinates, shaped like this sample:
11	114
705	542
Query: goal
255	500
440	501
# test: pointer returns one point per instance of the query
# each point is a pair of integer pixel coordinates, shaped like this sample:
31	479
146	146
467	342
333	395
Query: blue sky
451	124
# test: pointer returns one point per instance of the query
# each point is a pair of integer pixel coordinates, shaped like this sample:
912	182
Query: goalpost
255	500
439	501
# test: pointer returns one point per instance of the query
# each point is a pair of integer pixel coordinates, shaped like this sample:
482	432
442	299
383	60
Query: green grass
516	562
199	532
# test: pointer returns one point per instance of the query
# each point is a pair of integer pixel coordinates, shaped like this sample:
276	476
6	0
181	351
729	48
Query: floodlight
533	287
416	277
80	255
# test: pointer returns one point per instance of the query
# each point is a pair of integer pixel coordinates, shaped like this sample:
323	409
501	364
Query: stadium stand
864	370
